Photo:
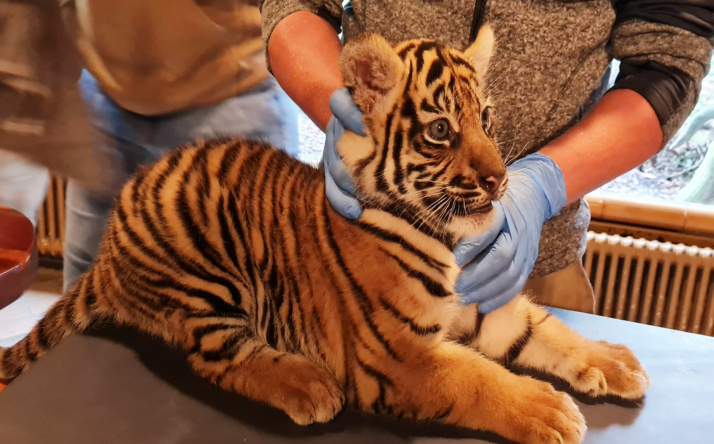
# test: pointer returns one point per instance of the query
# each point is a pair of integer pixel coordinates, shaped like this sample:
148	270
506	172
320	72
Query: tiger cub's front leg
455	385
522	333
225	351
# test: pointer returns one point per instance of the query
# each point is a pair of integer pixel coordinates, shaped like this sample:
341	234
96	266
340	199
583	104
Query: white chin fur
471	225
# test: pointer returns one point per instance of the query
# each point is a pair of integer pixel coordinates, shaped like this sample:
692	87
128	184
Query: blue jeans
264	113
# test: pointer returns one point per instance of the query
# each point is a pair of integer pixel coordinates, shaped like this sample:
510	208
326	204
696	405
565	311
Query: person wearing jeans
159	75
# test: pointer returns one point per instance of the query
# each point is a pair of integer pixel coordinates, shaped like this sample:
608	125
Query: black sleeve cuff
695	16
335	22
663	87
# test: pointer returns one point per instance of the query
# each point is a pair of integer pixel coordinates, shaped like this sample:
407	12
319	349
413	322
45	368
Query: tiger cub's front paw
539	414
306	392
611	369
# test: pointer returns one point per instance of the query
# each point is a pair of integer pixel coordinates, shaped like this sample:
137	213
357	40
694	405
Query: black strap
477	21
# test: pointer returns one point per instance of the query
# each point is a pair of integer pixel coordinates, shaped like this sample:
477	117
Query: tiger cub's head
430	150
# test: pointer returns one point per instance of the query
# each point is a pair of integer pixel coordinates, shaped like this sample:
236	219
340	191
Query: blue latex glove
535	193
339	187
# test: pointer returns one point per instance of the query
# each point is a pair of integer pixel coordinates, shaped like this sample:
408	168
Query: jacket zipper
477	20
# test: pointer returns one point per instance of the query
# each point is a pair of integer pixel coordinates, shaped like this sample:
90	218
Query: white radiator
652	282
50	221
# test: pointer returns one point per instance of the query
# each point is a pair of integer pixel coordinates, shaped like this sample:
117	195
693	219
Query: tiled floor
18	318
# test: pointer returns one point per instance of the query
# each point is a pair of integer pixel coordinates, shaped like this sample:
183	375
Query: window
684	170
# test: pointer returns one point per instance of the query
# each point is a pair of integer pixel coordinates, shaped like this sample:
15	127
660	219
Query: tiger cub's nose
491	183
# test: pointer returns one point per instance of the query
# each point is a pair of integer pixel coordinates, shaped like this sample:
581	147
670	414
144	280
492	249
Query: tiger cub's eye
439	129
486	120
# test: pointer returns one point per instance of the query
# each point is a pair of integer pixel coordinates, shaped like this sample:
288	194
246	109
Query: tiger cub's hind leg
522	333
226	352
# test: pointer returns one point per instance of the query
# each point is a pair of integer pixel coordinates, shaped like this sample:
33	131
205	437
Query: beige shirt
160	56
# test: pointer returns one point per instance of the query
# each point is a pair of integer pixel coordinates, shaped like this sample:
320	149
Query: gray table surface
116	386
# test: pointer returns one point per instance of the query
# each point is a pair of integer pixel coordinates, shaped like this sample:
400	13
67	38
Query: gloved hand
496	274
339	187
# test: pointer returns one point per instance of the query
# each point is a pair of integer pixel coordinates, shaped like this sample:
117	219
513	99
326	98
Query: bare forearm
620	133
304	52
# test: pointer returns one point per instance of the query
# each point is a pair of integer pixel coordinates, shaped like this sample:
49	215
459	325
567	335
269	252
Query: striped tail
75	312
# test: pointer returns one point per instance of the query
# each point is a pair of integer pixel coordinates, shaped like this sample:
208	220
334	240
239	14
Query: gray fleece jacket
550	60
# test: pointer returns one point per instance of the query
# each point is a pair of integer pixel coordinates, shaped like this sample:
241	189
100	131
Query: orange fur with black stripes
229	250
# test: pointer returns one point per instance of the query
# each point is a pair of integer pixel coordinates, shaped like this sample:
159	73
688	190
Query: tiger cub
229	250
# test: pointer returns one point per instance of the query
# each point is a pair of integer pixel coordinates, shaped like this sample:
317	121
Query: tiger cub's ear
371	69
479	53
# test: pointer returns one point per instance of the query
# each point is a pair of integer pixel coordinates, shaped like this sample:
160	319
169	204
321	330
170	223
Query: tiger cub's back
208	224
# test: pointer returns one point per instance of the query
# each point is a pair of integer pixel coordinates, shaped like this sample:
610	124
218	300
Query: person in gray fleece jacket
550	67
